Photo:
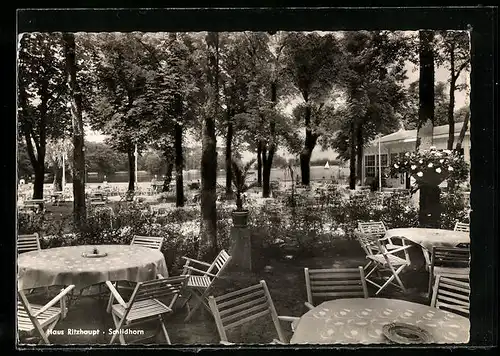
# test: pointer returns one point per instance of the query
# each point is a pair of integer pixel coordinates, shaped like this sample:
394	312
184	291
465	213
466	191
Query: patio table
428	238
360	321
66	265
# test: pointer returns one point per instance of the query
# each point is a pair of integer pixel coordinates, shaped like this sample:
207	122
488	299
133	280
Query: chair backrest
242	306
458	257
372	228
335	283
159	288
153	242
451	293
368	244
158	208
26	243
460	226
220	263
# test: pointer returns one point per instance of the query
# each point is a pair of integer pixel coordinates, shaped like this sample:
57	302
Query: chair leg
118	324
195	307
164	329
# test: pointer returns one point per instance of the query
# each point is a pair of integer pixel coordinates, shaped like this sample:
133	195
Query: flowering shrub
454	209
433	166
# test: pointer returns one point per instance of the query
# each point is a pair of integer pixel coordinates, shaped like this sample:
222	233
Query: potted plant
240	174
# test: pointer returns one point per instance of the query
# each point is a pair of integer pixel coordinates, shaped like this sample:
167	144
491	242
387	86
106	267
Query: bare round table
66	265
360	321
428	238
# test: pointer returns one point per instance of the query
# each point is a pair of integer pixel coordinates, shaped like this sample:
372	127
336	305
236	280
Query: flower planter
430	177
240	218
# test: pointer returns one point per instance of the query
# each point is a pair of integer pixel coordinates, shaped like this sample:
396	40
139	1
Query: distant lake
317	173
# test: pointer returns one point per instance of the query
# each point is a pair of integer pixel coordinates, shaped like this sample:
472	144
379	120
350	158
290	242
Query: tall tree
42	114
118	105
57	153
75	95
453	52
426	91
372	93
312	62
208	230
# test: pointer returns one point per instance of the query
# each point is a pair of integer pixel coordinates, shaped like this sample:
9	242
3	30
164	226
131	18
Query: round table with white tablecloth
361	320
67	265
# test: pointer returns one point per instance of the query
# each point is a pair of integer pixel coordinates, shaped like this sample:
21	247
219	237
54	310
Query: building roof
411	135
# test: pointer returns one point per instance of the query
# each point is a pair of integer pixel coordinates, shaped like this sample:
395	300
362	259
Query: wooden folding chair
154	242
41	318
145	305
448	260
452	293
202	278
375	230
383	261
27	243
460	226
335	283
242	306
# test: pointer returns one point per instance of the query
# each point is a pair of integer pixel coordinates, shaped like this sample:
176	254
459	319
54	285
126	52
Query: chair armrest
402	248
116	295
56	299
309	305
227	343
200	271
196	261
288	318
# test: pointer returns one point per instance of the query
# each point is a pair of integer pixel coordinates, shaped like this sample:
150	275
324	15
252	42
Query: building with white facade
400	142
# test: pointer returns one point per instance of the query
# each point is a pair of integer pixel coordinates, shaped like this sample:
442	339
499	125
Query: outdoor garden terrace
312	228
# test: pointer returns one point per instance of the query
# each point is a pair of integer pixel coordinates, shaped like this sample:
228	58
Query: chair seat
142	309
394	260
24	322
451	270
199	282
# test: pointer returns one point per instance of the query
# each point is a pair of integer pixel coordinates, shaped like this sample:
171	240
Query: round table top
429	238
360	321
66	265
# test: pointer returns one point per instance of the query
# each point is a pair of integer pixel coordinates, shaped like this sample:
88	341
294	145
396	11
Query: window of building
371	164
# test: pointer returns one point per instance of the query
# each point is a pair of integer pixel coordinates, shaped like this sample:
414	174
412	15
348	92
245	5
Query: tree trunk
57	185
352	157
429	203
131	167
426	91
207	247
229	139
451	104
461	137
266	184
429	206
179	164
309	144
359	154
259	164
168	175
79	207
38	182
268	162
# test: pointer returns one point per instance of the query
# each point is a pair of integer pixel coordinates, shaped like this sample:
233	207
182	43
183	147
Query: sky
441	75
